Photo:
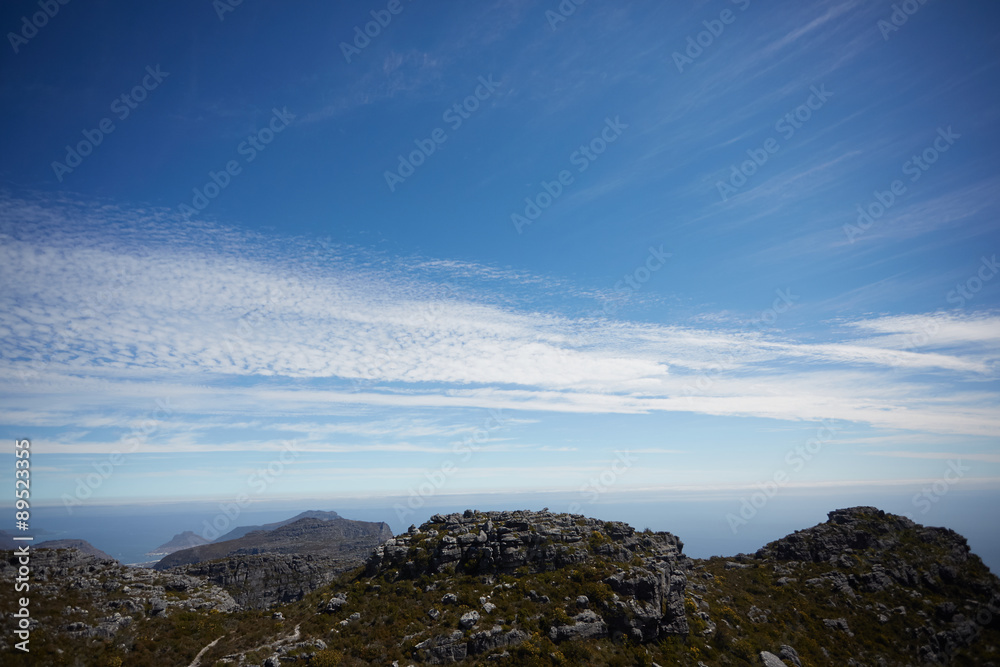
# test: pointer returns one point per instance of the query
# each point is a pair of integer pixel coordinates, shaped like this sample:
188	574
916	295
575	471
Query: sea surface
708	526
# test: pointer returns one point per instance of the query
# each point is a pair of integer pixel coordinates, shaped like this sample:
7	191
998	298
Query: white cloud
107	311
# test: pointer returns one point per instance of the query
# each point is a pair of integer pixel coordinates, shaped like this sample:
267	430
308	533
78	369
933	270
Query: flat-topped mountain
184	540
309	536
237	533
863	589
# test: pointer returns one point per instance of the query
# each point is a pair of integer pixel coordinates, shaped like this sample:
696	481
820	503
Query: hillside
522	588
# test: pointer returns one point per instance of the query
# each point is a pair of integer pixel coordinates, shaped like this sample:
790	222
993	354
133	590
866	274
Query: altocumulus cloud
104	308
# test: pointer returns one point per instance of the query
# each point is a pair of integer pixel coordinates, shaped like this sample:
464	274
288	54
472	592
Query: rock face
264	580
646	582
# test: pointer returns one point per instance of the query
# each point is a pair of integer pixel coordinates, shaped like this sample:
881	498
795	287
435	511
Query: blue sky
671	244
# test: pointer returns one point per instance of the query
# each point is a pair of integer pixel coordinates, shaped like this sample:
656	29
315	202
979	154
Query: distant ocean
128	532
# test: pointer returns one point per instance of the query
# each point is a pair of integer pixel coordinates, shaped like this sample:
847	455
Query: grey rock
469	619
769	659
789	654
838	624
587	624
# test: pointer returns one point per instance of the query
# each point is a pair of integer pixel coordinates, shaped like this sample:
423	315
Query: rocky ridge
863	589
645	583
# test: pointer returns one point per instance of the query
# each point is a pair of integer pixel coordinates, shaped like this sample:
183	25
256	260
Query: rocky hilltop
525	588
635	579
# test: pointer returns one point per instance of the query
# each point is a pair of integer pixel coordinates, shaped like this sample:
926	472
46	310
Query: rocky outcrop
646	585
863	556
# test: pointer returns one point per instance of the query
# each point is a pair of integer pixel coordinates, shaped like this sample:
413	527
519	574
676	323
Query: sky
260	251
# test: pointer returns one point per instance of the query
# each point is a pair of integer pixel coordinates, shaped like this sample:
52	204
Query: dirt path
197	659
295	636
